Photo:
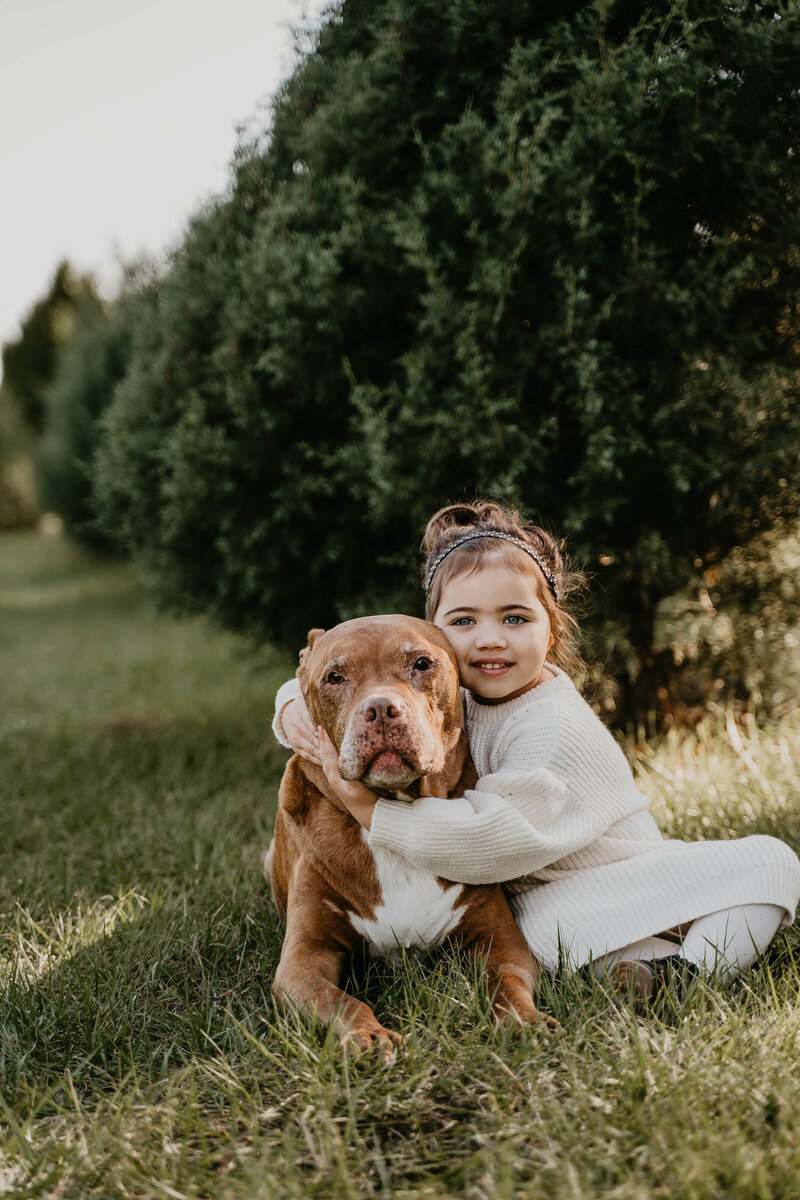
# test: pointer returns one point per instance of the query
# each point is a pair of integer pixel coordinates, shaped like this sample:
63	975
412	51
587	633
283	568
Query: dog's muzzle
385	747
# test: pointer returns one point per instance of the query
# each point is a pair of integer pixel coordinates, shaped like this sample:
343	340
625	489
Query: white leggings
722	942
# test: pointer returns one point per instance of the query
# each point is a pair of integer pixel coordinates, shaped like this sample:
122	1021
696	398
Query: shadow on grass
148	997
170	803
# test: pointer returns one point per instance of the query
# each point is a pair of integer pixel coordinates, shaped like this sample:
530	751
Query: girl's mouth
488	666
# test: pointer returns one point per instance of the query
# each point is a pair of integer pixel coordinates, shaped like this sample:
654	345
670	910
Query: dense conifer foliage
546	252
29	362
88	368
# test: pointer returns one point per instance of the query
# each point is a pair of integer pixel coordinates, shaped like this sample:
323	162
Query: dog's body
386	691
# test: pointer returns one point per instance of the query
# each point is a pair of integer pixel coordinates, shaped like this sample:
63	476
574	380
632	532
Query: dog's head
385	689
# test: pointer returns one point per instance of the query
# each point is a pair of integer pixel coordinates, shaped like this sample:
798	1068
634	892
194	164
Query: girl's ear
302	672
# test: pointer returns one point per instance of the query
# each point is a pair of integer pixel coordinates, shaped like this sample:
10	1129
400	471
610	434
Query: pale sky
117	119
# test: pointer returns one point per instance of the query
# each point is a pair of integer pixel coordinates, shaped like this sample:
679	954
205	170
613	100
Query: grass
140	1052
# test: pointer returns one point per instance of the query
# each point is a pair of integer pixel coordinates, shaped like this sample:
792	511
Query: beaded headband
552	582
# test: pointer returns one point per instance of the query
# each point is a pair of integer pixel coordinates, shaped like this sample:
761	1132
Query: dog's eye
423	664
334	677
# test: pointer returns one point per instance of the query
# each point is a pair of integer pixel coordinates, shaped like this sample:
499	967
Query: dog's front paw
505	1015
544	1022
359	1039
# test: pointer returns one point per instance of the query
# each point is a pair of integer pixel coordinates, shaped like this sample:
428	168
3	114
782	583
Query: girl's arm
287	693
537	808
476	838
292	724
487	836
517	820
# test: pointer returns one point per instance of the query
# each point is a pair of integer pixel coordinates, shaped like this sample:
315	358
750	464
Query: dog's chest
415	910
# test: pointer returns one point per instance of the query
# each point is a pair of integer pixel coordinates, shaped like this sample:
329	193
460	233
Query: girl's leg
645	950
728	941
724	942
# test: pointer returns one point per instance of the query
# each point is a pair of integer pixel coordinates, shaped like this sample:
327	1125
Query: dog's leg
313	955
490	932
311	982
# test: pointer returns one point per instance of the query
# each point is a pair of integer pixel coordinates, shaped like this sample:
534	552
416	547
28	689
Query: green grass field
140	1052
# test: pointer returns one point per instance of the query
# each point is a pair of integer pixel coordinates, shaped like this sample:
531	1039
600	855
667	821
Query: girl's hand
299	730
356	797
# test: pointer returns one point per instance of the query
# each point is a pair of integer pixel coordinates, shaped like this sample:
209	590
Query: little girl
556	815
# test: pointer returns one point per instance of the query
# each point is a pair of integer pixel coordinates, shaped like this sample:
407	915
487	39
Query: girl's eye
515	619
334	677
423	664
463	621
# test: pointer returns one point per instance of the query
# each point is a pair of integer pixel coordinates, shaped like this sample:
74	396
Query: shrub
543	252
734	635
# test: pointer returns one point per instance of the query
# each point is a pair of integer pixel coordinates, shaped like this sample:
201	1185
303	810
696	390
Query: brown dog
386	691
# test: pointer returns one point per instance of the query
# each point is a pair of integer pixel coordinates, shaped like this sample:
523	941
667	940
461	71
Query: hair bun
451	521
456	520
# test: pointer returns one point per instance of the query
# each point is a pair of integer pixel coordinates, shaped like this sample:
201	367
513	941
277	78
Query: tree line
546	253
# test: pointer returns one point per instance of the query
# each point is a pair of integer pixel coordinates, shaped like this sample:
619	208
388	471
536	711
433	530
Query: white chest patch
416	909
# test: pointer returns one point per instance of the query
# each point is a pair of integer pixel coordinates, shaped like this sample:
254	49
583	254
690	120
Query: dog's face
385	689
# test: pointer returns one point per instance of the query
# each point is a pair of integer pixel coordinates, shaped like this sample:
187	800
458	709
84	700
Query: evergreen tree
29	362
88	368
18	508
547	253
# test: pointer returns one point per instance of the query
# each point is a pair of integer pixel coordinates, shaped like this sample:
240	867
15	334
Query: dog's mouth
390	771
388	760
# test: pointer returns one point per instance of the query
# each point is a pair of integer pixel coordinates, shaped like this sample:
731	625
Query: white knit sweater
556	817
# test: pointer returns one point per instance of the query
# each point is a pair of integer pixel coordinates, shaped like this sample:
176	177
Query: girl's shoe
641	980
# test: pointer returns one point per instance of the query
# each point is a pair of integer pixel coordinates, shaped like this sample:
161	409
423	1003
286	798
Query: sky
118	118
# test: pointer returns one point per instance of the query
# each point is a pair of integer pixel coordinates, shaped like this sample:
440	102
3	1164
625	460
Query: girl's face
499	629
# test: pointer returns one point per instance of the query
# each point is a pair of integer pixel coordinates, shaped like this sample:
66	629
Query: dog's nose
382	711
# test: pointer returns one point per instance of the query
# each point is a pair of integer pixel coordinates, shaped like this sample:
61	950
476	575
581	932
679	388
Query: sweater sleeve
517	820
286	693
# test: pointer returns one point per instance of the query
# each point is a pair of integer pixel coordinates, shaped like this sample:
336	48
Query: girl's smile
489	666
499	630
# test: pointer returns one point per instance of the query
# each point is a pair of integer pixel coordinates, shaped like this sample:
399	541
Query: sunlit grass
726	780
32	947
140	1053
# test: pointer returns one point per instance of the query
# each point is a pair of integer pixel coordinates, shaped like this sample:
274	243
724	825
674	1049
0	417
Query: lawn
140	1051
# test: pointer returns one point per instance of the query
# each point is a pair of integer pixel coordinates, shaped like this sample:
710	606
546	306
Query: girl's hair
458	520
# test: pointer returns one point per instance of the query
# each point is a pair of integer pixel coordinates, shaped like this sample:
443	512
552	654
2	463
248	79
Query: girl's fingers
310	751
308	728
330	760
329	757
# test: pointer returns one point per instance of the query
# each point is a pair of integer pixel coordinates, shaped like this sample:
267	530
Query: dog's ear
302	673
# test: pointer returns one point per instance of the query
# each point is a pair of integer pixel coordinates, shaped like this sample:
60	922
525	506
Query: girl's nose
489	636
